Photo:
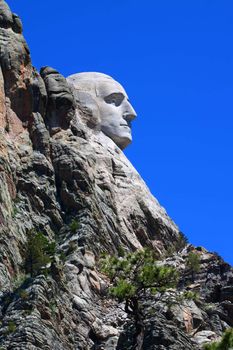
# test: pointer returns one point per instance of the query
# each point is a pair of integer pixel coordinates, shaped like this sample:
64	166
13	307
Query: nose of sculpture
129	113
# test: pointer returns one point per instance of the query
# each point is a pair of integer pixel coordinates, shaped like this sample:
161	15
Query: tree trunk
139	335
139	326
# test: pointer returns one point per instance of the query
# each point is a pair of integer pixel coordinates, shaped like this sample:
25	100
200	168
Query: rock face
59	174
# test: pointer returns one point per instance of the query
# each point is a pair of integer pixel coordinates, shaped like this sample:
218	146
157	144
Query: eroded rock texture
56	171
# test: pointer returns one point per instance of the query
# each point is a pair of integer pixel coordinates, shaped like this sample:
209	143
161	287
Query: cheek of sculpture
114	125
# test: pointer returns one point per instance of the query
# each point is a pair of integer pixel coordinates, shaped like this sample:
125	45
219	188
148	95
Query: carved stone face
115	111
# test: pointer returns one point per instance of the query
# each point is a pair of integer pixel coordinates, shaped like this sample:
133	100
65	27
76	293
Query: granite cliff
60	175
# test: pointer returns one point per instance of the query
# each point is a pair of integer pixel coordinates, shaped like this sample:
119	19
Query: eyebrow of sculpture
107	89
116	93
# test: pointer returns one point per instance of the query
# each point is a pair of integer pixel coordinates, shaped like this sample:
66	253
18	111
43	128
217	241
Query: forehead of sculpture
97	84
105	88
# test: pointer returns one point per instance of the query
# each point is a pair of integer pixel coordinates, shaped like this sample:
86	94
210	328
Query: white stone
204	337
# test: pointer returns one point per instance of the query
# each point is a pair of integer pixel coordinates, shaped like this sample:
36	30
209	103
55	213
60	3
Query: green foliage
23	294
15	211
181	242
134	277
208	306
121	251
193	263
74	225
62	257
71	248
170	251
27	312
134	274
178	245
11	327
39	253
226	342
190	295
123	290
50	247
53	307
19	280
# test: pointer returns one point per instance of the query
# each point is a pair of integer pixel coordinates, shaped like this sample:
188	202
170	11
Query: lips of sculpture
116	127
119	132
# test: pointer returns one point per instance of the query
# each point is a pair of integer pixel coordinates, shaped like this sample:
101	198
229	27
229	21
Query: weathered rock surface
54	171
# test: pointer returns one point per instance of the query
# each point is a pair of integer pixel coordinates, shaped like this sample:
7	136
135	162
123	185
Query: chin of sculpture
122	137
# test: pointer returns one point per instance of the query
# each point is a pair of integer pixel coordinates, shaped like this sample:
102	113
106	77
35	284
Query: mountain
61	176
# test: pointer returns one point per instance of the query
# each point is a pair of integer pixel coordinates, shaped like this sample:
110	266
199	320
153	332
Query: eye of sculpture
115	98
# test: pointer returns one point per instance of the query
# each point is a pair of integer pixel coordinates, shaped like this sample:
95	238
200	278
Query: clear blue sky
175	59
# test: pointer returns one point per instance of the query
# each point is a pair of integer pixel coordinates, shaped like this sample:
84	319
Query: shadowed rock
60	108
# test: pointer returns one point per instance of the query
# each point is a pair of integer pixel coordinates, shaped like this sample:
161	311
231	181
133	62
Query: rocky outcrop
15	64
65	178
61	107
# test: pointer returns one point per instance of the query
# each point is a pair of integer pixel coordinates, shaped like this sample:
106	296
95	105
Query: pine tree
38	253
133	276
193	263
226	342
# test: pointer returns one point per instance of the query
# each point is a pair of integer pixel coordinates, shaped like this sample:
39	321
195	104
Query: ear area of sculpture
114	109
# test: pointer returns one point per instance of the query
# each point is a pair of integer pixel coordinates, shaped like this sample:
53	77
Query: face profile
106	97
